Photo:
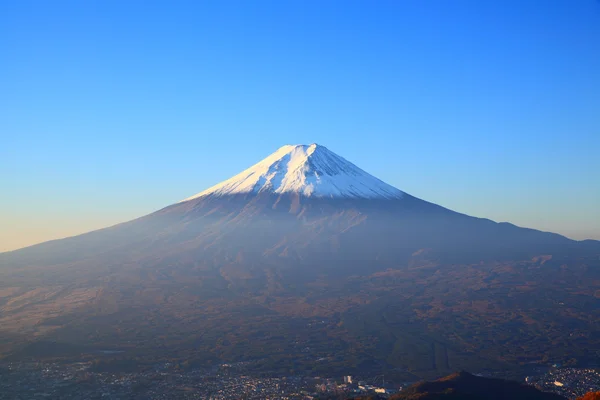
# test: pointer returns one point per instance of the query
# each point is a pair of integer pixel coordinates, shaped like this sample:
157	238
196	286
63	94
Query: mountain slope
307	235
464	386
303	228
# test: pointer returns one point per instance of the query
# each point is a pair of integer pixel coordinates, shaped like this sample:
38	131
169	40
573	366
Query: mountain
310	171
465	386
305	256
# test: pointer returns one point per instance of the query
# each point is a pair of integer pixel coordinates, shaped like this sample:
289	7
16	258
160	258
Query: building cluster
353	387
77	381
568	382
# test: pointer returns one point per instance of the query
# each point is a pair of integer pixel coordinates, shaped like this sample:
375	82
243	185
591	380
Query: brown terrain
401	286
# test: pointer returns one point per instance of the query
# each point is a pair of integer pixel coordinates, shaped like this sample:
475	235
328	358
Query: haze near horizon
116	110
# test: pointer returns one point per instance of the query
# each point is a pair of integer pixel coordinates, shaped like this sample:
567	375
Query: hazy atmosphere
488	108
300	200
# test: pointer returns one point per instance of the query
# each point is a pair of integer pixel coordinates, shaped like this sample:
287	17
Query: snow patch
309	170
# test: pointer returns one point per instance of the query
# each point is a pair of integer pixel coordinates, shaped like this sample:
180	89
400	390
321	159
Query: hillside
306	257
464	386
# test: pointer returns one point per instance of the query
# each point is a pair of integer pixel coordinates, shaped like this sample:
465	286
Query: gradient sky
113	109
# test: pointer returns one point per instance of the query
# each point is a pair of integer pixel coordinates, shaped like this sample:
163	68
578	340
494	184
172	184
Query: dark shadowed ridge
465	386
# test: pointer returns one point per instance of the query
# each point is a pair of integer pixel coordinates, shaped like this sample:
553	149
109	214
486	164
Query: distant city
568	382
227	381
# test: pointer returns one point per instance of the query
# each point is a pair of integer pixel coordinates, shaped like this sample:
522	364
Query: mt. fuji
241	271
311	171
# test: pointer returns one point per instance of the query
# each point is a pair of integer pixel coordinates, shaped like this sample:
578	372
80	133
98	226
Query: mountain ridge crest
309	170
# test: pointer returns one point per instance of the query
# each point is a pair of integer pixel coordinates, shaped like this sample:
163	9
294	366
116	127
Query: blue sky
112	109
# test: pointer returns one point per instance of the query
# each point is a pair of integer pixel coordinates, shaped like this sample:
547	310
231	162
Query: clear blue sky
112	109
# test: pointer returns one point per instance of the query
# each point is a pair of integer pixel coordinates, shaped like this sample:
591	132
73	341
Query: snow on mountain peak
310	170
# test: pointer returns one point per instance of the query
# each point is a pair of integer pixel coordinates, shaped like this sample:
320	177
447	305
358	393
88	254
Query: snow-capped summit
310	170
